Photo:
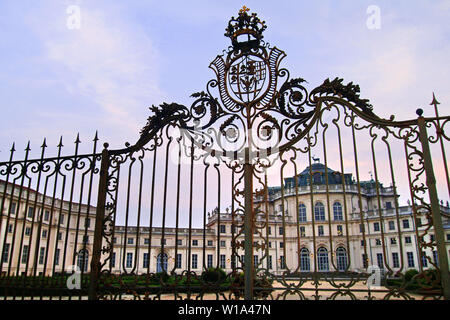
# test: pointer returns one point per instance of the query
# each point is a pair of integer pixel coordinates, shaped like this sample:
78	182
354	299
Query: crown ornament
247	27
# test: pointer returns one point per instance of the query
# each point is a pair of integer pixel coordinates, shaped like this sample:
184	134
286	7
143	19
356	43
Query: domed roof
316	167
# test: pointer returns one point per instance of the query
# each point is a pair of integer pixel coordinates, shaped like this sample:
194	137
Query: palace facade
320	221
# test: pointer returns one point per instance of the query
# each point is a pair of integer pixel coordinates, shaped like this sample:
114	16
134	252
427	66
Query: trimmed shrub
213	275
410	274
263	286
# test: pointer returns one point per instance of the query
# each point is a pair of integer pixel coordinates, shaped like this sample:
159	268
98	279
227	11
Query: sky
128	55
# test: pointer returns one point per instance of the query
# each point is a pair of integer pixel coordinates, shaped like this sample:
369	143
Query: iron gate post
248	226
99	220
434	202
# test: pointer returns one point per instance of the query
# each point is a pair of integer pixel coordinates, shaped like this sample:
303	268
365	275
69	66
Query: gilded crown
248	26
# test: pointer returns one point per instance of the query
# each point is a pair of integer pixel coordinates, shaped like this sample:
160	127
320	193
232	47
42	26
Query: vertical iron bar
434	202
100	214
248	226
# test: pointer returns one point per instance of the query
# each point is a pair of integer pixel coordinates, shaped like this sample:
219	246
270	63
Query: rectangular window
195	243
41	255
194	261
113	260
57	251
46	215
405	224
388	205
378	242
362	243
210	243
282	262
361	228
270	244
424	261
391	225
61	219
179	242
396	262
393	240
380	260
410	257
87	223
44	233
115	240
281	231
376	226
10	228
27	231
320	230
418	222
146	240
340	231
255	261
145	261
30	212
85	239
408	240
163	241
130	240
222	228
209	261
222	244
222	261
281	245
269	262
448	236
12	209
25	254
178	262
436	258
59	236
270	230
365	261
302	232
129	259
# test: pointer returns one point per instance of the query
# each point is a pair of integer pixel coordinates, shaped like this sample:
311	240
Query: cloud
110	61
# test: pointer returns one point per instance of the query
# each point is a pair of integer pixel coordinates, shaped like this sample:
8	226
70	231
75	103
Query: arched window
161	263
82	260
304	260
337	211
322	259
341	257
301	213
319	211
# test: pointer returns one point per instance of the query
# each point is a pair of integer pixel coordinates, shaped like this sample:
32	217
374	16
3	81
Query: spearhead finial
28	146
77	140
44	143
60	144
13	148
96	136
434	102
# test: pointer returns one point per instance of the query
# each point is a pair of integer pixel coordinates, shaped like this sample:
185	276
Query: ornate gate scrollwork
254	114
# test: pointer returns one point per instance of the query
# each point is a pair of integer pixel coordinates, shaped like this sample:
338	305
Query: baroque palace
321	230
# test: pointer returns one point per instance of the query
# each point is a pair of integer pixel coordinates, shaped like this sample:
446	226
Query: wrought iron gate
211	201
